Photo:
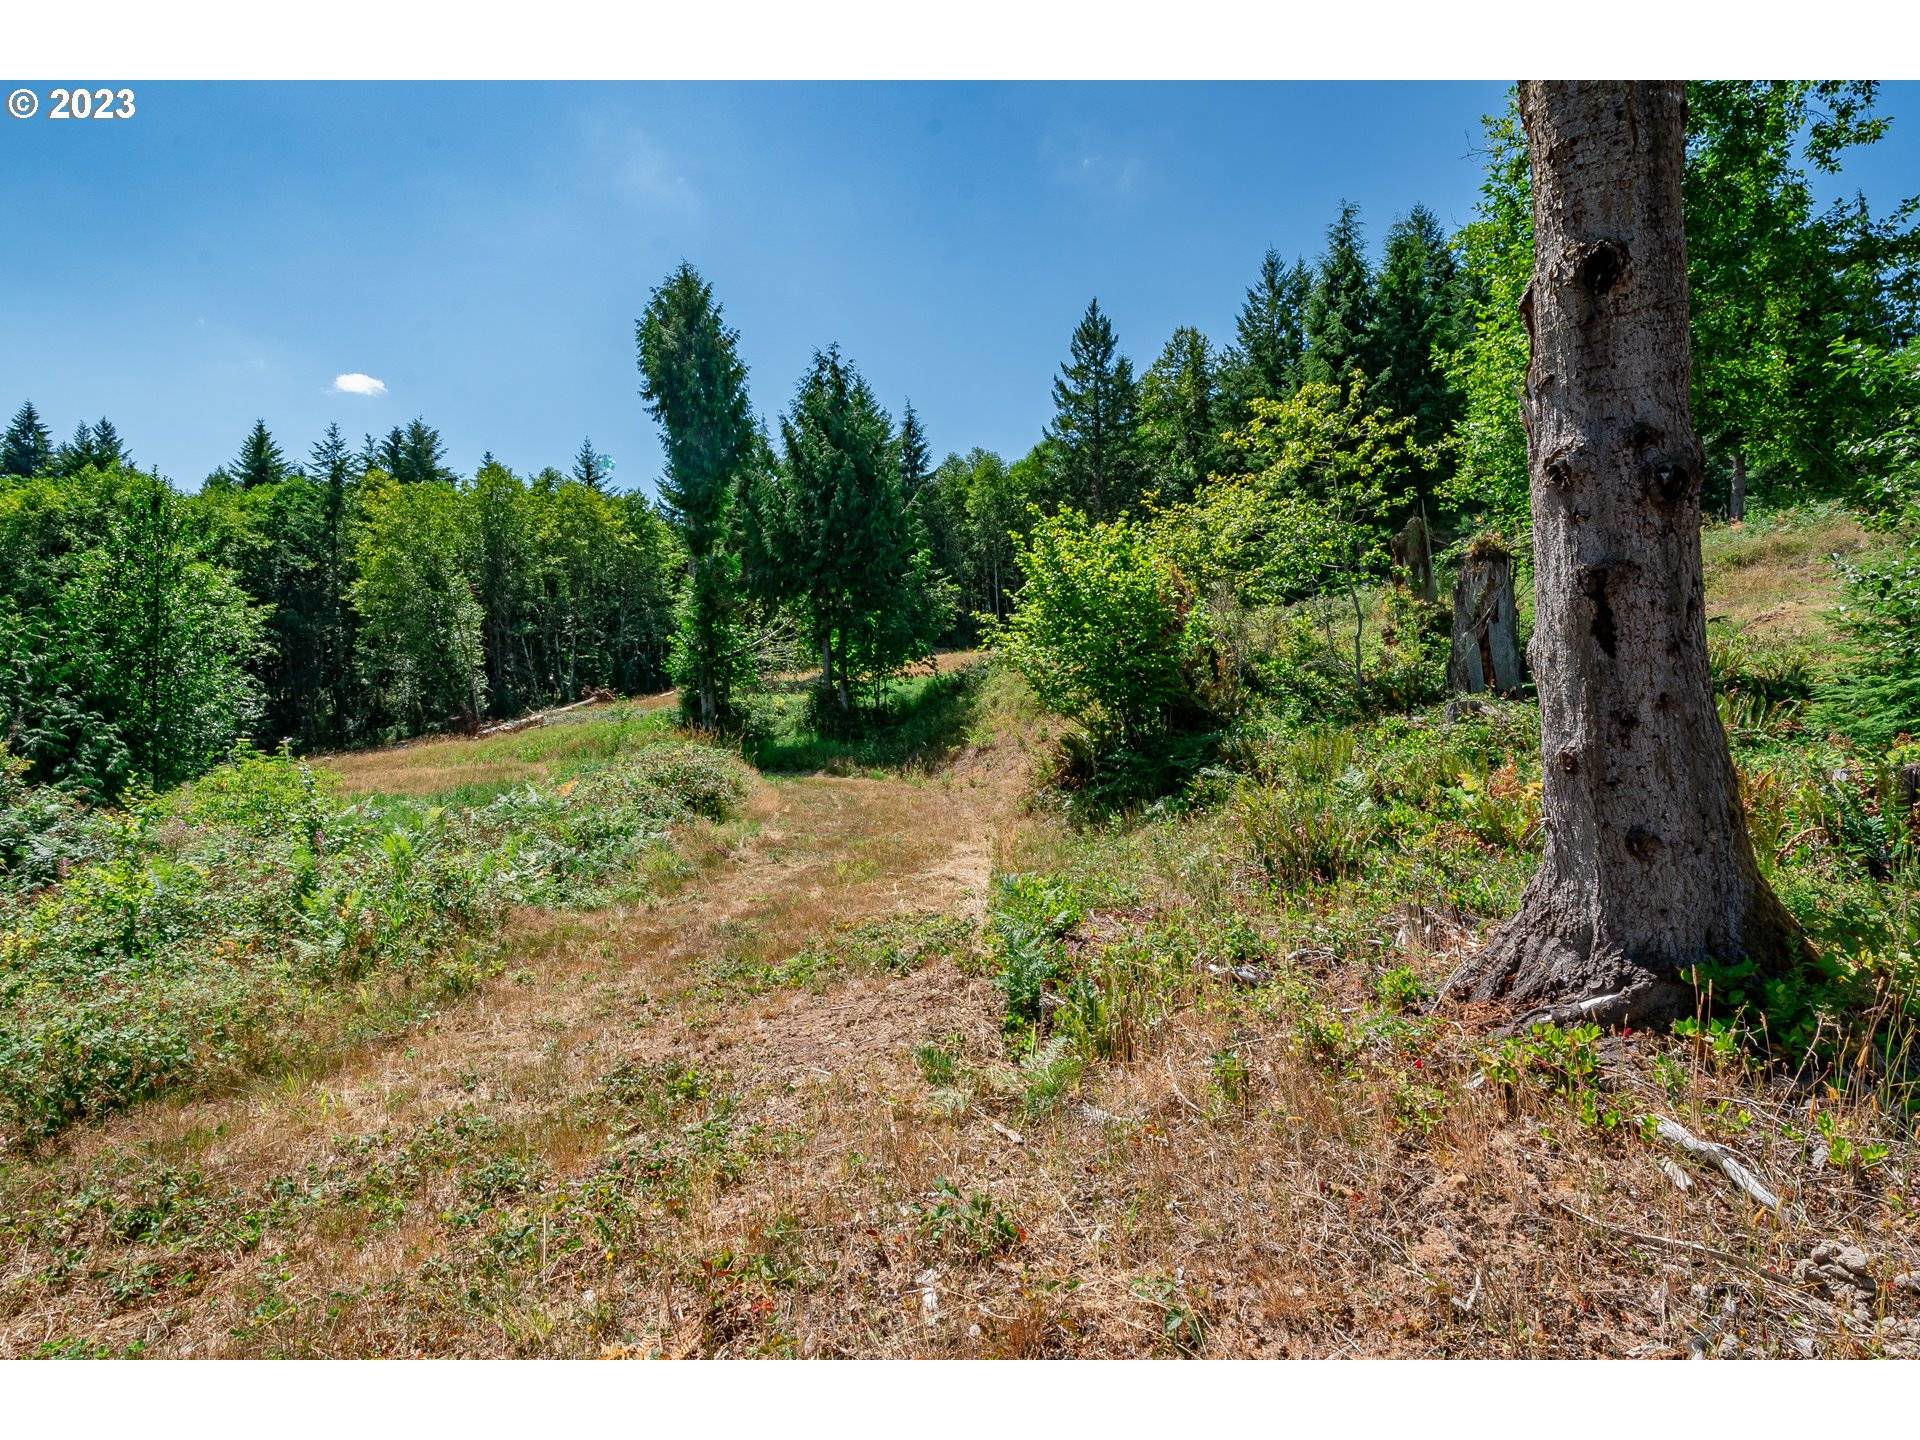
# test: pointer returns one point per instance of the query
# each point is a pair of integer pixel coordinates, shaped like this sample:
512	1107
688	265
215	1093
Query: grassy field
869	1050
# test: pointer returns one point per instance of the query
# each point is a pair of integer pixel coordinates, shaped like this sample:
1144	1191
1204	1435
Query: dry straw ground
771	1111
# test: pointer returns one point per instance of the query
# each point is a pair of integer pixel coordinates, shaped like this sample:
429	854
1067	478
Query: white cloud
354	383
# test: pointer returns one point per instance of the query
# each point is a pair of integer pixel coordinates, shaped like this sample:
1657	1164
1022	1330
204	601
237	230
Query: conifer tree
391	454
77	454
1416	309
1269	339
1339	315
28	448
852	555
108	449
422	456
260	461
916	458
591	468
1179	426
695	386
332	465
1096	402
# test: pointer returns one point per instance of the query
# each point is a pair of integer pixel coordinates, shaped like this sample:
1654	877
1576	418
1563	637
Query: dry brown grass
1775	576
645	1138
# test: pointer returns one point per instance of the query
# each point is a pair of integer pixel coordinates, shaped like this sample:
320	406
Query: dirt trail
579	996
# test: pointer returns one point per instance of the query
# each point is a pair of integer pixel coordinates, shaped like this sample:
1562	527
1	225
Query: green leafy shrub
1102	628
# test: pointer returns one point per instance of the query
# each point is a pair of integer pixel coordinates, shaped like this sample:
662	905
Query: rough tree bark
1486	647
1648	867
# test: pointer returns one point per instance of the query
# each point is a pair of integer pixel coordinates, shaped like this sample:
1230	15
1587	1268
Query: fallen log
540	717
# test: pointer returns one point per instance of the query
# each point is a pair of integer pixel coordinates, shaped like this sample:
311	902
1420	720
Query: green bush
1102	629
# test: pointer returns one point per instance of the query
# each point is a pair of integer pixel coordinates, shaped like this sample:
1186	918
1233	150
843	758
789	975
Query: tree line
363	594
367	591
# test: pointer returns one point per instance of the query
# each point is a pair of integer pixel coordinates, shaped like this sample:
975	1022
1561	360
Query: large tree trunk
1648	868
1486	647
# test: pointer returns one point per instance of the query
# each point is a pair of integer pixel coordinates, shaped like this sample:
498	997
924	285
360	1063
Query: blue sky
484	249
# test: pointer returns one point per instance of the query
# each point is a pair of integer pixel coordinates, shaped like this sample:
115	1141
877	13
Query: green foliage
845	546
1563	1063
1179	430
27	448
1339	310
1103	627
972	1225
1269	342
124	649
696	387
1026	924
247	920
420	621
1880	698
1416	325
1309	522
1095	448
1489	365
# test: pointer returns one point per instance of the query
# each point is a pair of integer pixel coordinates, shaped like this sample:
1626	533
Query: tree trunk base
1534	968
1551	983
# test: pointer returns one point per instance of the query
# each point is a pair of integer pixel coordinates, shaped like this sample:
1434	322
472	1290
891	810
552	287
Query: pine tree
260	461
591	468
27	448
1339	314
850	552
108	449
422	456
916	458
1179	427
390	454
1415	327
332	465
77	454
696	388
1096	450
1269	339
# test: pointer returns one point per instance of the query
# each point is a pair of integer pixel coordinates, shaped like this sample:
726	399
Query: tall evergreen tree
591	468
1270	339
1339	316
422	456
853	556
1094	430
332	465
1416	308
260	461
390	454
1179	424
916	459
27	448
108	448
76	454
695	386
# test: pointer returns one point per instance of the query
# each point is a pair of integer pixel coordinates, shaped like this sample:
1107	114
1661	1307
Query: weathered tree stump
1486	649
1413	553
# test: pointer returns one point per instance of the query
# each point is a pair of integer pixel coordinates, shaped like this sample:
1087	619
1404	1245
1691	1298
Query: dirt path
299	1211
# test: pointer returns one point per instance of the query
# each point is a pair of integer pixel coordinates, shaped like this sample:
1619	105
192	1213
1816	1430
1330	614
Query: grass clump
249	918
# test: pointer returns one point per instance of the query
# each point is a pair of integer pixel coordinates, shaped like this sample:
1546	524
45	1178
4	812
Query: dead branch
1676	1134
